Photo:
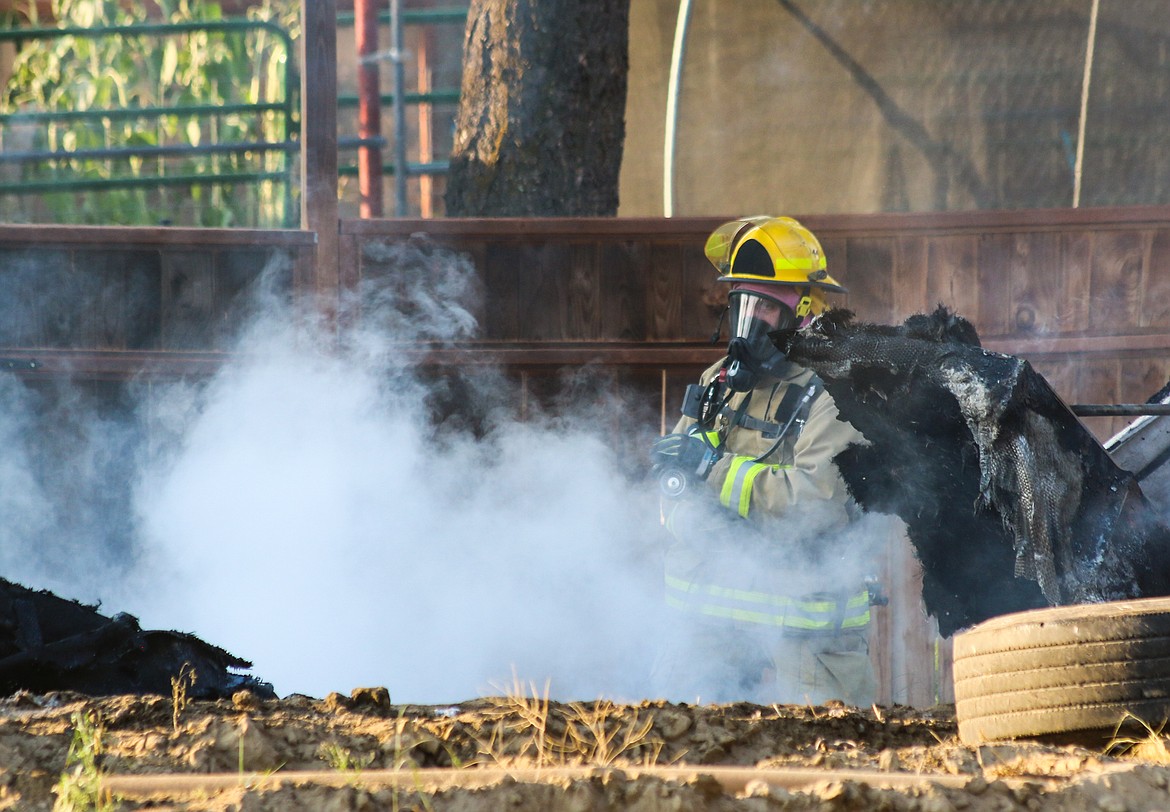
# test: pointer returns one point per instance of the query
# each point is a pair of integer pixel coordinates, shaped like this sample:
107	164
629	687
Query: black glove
678	459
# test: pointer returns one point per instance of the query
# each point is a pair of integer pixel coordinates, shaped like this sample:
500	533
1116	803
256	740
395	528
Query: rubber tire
1071	673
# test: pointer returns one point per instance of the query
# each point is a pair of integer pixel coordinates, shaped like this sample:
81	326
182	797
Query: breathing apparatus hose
809	394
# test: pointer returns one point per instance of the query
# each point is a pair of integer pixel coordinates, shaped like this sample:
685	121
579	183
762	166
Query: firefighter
762	559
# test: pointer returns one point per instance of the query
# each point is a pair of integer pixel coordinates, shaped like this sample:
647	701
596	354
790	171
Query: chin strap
719	326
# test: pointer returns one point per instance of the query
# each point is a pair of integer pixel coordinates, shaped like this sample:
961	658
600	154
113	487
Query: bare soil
360	752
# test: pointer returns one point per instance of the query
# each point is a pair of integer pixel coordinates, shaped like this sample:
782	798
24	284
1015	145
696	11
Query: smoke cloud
342	515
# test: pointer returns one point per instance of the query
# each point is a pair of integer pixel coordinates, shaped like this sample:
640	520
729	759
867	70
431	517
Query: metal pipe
1120	409
369	110
672	92
396	49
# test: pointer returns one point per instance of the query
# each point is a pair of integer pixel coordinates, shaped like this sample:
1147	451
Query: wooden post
319	210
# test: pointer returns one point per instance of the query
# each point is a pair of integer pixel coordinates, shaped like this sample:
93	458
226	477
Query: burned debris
1009	501
49	643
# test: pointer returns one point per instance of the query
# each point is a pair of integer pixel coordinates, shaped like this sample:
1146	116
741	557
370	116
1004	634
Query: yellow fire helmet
770	250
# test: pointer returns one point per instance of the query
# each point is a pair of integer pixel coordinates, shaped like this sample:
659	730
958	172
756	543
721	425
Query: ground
521	752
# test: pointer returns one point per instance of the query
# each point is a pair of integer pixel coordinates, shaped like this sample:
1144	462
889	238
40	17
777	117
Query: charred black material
1010	502
48	643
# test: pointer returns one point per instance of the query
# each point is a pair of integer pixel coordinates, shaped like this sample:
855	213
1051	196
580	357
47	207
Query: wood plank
1099	381
30	281
953	274
664	293
237	272
120	307
694	230
704	298
110	237
868	274
582	292
1005	286
909	284
543	292
1072	308
1155	307
623	290
1116	271
1139	378
187	301
500	272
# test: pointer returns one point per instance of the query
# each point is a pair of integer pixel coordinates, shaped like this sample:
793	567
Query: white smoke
313	518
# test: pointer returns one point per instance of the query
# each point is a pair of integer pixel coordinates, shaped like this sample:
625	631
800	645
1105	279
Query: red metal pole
365	15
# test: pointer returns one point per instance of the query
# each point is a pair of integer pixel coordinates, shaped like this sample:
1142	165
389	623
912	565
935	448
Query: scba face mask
751	353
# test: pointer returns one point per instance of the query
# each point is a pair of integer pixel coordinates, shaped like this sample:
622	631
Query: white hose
1076	202
672	90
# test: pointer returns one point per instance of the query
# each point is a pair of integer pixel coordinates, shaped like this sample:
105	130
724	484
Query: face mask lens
754	315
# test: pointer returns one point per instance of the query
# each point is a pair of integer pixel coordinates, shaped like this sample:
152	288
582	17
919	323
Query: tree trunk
541	119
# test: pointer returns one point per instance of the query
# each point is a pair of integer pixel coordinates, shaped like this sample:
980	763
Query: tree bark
541	120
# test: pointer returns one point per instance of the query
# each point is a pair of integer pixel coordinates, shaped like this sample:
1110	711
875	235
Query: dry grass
528	728
1151	745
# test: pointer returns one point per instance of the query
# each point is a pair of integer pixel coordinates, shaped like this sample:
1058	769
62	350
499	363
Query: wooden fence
1081	294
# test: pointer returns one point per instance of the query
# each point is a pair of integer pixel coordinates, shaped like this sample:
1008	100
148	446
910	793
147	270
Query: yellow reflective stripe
729	481
745	496
714	610
858	622
737	486
748	596
805	615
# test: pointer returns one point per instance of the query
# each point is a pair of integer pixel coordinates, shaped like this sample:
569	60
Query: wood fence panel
502	287
871	282
583	299
1155	311
40	284
622	292
1013	294
998	271
120	310
187	311
952	274
704	297
1115	281
1143	374
909	279
664	294
1070	304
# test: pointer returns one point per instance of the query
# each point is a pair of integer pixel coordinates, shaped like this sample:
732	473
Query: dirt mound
361	752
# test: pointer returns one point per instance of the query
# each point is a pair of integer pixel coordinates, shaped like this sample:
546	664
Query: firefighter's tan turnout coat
764	563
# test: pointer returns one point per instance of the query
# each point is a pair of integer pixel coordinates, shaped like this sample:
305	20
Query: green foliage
169	74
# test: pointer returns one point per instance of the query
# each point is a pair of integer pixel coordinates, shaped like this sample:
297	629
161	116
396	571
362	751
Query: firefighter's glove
680	458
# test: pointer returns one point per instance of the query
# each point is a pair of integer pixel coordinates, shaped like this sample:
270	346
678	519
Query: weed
80	787
181	684
342	758
402	758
